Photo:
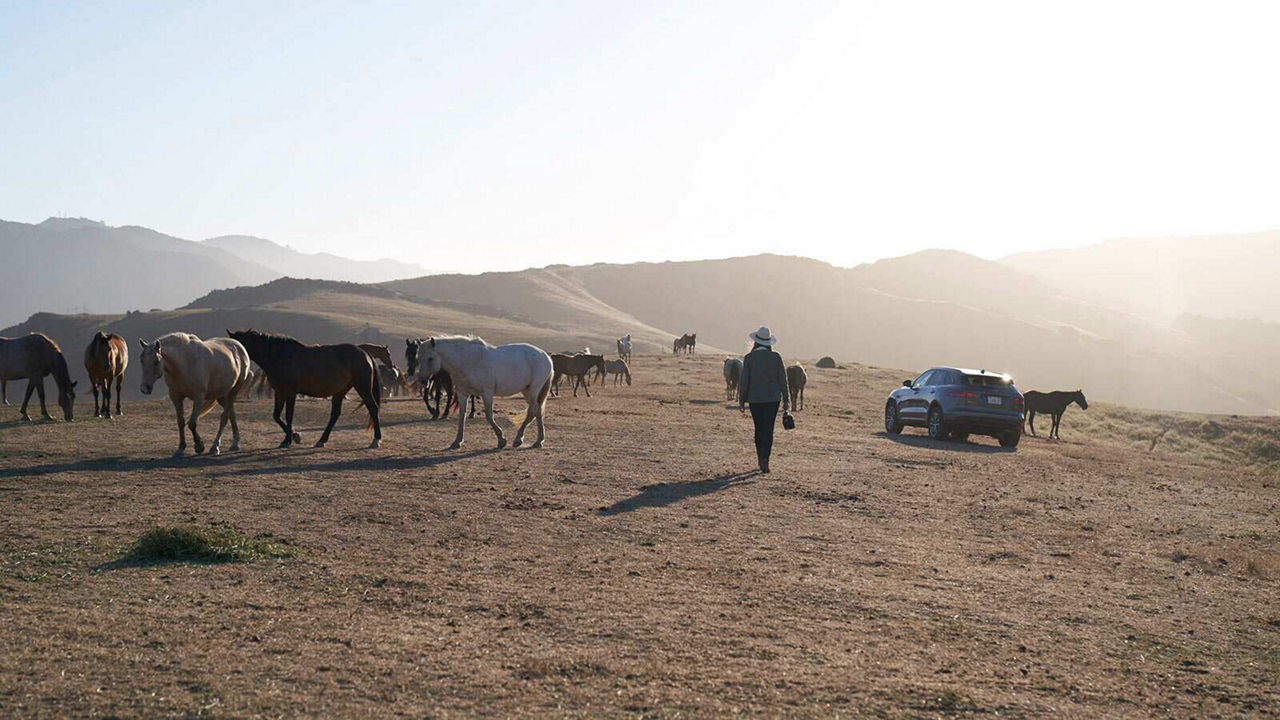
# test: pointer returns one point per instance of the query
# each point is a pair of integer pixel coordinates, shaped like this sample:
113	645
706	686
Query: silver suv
952	403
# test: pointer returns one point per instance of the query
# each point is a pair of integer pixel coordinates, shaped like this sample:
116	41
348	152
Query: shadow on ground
663	494
923	441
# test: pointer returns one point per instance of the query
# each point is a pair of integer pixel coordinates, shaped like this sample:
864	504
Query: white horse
478	368
207	371
732	372
624	347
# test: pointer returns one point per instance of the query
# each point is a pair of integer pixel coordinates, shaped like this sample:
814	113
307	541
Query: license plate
995	400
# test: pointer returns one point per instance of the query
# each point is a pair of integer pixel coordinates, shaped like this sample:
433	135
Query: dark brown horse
687	343
440	385
32	357
1055	403
316	370
105	360
579	368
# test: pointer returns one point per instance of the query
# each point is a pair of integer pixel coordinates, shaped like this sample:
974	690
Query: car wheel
937	428
892	425
1010	439
959	437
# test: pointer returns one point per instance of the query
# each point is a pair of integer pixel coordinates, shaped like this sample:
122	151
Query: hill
935	307
287	261
68	265
1227	276
912	312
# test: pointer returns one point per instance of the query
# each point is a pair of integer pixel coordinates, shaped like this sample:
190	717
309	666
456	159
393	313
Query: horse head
411	355
152	360
1084	404
428	360
67	400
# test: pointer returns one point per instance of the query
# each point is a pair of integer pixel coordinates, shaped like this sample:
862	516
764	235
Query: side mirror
906	383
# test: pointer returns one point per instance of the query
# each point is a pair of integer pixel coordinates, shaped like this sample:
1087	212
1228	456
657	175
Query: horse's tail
375	393
546	390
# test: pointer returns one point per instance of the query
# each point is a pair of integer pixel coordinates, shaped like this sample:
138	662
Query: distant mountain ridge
68	265
293	263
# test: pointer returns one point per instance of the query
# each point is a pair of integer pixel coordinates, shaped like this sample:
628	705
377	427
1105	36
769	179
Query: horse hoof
215	450
180	452
319	444
455	446
235	448
26	418
199	450
536	445
375	444
297	438
502	442
517	443
284	444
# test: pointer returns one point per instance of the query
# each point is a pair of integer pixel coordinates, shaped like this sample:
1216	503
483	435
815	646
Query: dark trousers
764	415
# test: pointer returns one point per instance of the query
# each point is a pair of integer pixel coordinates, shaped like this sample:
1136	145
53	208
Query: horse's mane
460	339
183	336
273	338
47	339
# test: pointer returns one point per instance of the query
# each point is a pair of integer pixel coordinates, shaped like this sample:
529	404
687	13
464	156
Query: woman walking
763	385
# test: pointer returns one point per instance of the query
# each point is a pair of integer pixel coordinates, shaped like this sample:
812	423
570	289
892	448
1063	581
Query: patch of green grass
201	543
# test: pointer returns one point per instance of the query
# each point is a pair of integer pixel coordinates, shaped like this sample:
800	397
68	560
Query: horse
618	369
624	348
207	372
314	370
438	385
32	357
377	352
796	379
388	380
1055	403
579	367
732	372
105	360
478	368
687	342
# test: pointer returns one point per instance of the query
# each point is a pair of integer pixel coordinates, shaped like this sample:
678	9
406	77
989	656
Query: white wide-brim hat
763	337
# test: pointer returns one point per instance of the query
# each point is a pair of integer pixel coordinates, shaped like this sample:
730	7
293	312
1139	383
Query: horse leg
4	391
26	399
198	411
44	410
93	385
488	414
119	381
289	403
462	426
216	447
1057	418
230	406
106	398
1031	420
473	407
334	411
182	433
374	419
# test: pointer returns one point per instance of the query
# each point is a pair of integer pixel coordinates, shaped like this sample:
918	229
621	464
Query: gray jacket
764	378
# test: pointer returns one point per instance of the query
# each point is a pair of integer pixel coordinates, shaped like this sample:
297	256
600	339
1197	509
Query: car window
923	379
940	377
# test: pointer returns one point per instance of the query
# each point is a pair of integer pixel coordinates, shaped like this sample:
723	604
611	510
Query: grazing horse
796	379
318	371
618	369
1055	403
32	357
624	348
207	371
105	360
732	372
438	385
478	368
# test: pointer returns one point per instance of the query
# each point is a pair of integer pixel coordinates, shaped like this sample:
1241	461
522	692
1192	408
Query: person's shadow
662	494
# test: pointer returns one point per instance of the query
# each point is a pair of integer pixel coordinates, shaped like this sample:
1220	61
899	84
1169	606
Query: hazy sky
474	135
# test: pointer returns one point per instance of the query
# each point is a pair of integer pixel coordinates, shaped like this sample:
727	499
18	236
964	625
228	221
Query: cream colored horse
624	348
207	372
478	368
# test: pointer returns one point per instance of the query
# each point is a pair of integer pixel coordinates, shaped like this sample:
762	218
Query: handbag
788	422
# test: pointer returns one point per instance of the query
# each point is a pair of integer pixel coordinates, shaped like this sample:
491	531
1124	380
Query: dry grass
633	569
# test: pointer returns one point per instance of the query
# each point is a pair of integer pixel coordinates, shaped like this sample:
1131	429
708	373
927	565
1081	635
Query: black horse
437	386
1055	403
315	370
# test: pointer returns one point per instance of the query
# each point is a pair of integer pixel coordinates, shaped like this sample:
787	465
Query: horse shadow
663	494
367	463
99	464
923	441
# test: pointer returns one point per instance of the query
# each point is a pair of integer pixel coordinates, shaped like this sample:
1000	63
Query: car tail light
966	397
1018	403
